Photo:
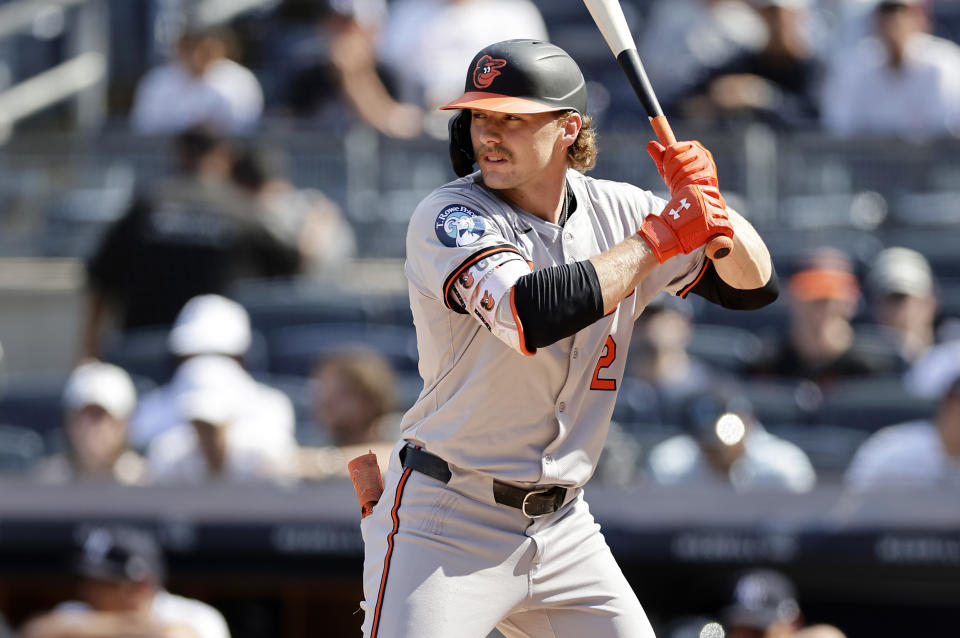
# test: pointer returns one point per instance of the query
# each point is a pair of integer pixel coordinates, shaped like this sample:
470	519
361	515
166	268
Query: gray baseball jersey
487	404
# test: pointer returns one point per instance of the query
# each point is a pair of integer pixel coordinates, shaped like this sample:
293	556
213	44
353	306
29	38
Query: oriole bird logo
487	301
486	71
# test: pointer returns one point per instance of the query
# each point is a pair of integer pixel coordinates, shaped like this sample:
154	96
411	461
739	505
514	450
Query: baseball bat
608	15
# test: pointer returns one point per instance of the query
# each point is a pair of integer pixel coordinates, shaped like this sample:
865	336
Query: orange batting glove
683	163
690	219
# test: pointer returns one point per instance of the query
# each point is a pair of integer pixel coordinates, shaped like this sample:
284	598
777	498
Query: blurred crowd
862	66
851	379
847	67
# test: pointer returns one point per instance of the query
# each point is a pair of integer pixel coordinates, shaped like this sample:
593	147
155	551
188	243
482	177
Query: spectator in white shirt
213	325
220	435
121	594
97	401
901	81
201	86
917	454
726	445
427	44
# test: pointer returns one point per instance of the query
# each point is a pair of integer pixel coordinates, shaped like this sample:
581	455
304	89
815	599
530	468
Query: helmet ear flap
461	148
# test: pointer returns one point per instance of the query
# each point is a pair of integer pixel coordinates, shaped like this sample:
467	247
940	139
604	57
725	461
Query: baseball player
525	278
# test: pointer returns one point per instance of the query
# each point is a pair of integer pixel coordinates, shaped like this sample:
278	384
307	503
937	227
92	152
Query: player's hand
683	163
690	219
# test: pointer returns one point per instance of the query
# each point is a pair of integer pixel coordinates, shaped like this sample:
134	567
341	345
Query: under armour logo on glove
693	216
675	212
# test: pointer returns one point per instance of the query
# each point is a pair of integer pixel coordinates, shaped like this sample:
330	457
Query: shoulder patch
458	225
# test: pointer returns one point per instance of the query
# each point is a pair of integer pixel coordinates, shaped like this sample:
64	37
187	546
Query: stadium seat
931	208
829	447
281	303
871	403
725	347
295	350
775	401
789	246
33	401
20	448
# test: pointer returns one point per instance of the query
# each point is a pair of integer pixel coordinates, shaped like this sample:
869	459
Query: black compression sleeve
557	302
715	289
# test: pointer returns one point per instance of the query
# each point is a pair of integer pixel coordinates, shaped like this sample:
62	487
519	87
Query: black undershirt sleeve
556	302
712	288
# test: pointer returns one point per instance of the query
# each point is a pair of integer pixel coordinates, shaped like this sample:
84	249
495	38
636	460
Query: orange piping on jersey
471	261
386	560
686	291
516	319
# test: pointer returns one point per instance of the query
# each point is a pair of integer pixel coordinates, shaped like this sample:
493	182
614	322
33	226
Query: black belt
534	502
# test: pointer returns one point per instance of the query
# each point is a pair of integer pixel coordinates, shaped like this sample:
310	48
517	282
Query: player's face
514	149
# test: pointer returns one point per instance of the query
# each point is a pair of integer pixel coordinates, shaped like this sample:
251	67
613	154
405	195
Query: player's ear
570	125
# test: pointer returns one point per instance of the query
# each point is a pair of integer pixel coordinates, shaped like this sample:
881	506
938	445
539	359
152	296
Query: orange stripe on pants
386	560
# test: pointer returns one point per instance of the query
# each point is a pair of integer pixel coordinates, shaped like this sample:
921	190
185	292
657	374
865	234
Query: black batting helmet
514	76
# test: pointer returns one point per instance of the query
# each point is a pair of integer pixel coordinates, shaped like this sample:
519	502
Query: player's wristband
661	238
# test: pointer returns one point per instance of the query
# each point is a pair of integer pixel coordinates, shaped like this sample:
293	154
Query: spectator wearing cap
121	594
354	403
217	326
724	444
916	454
902	80
98	400
190	234
779	84
220	435
903	300
821	343
200	86
763	604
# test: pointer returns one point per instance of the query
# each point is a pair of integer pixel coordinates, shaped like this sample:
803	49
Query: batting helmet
514	76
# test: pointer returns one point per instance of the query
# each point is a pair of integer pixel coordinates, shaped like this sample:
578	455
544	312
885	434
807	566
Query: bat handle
718	246
662	128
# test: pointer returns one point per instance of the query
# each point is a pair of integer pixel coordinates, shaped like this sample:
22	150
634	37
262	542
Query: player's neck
543	197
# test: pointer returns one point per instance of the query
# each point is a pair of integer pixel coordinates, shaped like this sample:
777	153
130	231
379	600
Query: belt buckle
523	505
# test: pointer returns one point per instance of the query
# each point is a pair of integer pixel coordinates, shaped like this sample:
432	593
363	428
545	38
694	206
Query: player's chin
495	176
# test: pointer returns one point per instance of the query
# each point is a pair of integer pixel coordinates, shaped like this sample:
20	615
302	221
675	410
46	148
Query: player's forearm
622	268
748	266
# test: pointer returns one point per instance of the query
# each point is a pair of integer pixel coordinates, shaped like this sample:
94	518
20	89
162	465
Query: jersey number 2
605	361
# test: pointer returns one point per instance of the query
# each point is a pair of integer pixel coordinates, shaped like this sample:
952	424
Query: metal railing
81	77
